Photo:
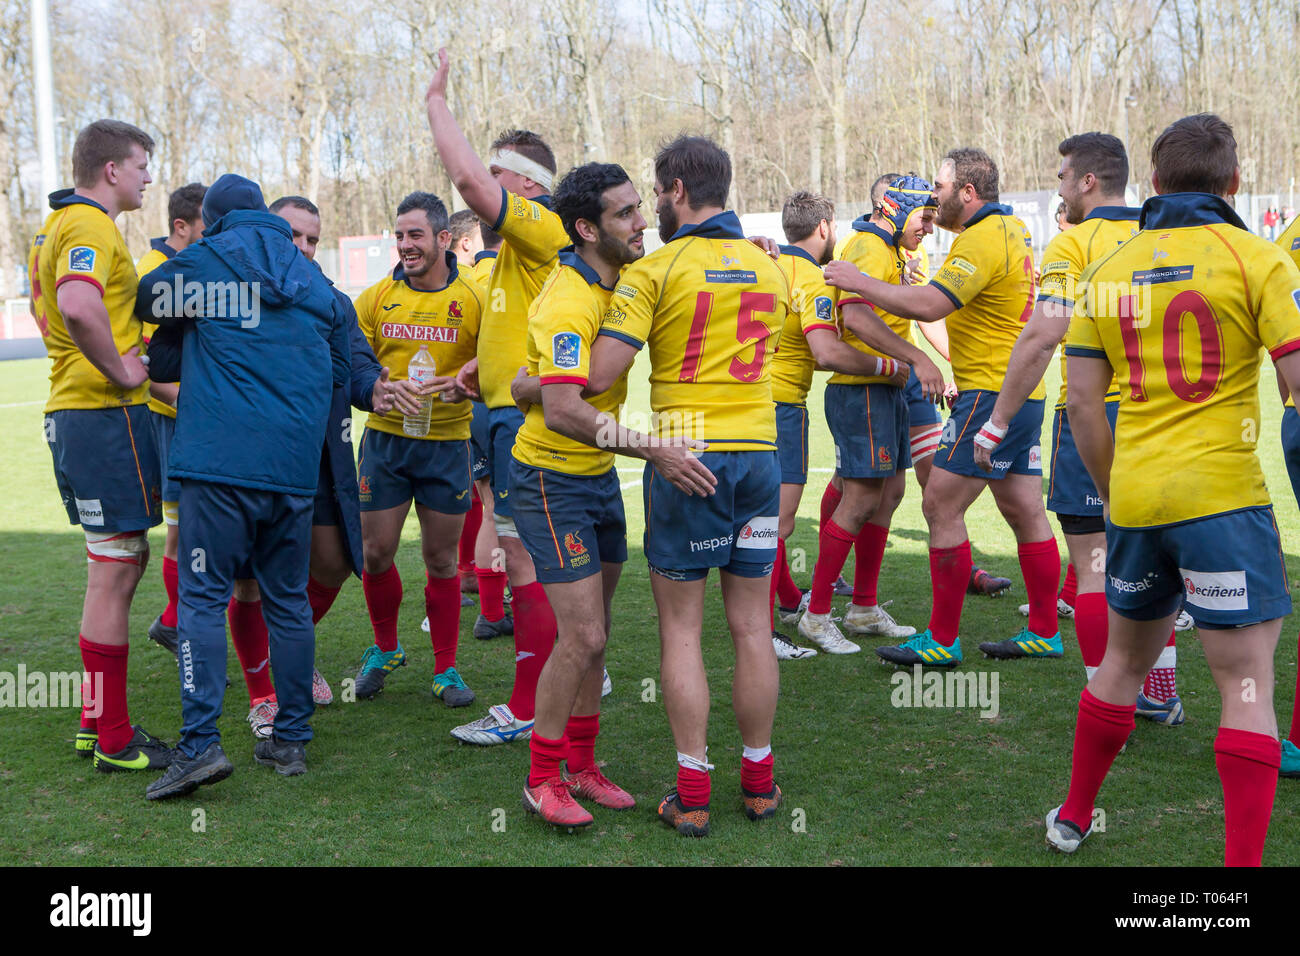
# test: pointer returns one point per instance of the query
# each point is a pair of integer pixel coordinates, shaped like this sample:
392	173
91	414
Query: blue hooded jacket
265	343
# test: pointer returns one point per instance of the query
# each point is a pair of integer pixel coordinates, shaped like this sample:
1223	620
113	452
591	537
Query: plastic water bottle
421	372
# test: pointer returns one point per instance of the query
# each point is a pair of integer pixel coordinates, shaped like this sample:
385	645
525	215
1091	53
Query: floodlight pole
44	96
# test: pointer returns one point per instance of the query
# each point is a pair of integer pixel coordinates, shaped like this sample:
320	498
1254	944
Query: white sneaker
821	630
788	650
1063	611
874	620
500	726
424	625
321	694
607	688
1184	621
791	617
262	717
1064	836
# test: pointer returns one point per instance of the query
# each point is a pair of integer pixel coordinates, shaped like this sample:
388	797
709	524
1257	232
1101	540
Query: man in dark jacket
265	344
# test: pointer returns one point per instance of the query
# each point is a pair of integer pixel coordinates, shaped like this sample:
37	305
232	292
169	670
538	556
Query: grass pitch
865	782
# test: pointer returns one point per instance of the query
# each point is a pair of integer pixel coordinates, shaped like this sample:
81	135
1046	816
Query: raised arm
471	178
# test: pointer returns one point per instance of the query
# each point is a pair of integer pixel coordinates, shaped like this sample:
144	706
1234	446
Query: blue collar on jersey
399	274
725	225
160	245
1173	210
873	229
569	257
485	254
989	209
1114	213
800	254
62	198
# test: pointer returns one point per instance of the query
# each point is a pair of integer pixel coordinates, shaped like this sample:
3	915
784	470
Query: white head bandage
517	162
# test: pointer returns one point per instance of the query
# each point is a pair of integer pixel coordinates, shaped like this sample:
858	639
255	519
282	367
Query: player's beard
617	252
668	222
949	214
828	253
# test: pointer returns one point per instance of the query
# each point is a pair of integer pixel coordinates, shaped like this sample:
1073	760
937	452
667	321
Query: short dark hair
803	212
581	194
462	224
491	238
297	202
433	208
105	141
976	167
526	143
1196	154
1102	155
880	185
186	203
703	167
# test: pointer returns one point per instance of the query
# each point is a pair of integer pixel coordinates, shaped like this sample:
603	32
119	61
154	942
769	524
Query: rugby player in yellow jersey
868	417
811	337
710	306
185	213
511	193
985	288
96	422
1177	315
426	302
1290	243
567	502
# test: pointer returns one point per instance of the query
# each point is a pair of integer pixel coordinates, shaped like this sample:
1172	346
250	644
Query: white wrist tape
990	435
517	162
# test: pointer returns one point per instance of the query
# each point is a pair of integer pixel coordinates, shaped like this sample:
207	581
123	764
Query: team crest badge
573	544
364	485
884	456
566	349
453	310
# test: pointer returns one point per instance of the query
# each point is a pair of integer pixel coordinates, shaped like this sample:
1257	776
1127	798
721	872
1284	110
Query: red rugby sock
756	775
1091	627
491	593
1100	732
1294	736
581	732
321	598
171	583
786	589
544	758
383	601
1040	563
830	501
693	787
114	723
534	639
442	605
252	646
949	575
1070	589
868	553
833	546
468	535
1248	764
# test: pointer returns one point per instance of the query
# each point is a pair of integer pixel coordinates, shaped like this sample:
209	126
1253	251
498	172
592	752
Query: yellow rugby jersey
79	242
533	237
1069	253
711	305
397	319
482	270
1290	240
871	248
812	306
1180	312
989	276
562	325
159	252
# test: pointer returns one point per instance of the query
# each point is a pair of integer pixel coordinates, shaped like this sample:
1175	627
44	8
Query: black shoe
842	588
162	635
144	752
485	630
187	774
288	757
